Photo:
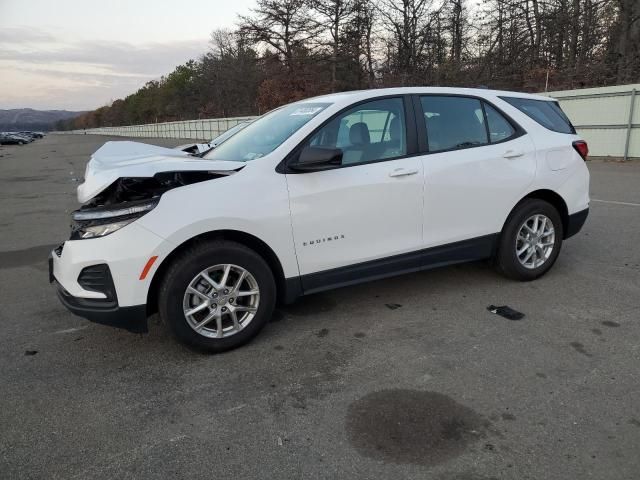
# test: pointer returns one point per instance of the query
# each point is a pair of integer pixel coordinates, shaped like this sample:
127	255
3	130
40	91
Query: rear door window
499	127
453	122
546	112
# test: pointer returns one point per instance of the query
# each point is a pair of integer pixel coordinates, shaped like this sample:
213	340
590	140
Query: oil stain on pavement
578	347
412	427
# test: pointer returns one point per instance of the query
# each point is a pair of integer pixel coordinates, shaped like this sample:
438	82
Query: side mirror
317	158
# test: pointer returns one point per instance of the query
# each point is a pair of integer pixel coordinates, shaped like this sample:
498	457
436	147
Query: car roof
355	95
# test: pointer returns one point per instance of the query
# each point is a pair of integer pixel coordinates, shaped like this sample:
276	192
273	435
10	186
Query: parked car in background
25	137
33	135
319	194
200	148
12	139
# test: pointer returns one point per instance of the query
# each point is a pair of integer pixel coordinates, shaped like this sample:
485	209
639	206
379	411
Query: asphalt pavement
405	378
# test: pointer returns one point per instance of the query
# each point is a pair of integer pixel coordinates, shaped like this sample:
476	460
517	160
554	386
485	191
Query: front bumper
132	318
100	279
125	252
105	311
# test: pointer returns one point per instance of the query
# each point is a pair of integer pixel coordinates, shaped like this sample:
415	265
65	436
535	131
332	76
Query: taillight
582	148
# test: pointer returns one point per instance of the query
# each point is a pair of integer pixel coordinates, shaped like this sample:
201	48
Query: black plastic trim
575	222
97	278
421	124
478	248
292	290
105	312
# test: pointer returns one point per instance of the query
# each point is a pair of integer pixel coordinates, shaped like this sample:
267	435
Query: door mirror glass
318	158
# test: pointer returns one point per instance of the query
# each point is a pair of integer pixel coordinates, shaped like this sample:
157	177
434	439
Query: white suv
318	194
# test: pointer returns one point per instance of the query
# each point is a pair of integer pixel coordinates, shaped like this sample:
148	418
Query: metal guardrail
205	129
602	116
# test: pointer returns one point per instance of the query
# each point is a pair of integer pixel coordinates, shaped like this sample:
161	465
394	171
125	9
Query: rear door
368	208
479	164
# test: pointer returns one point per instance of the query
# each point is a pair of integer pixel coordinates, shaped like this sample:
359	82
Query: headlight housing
94	222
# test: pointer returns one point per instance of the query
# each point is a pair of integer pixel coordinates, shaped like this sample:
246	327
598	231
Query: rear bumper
575	222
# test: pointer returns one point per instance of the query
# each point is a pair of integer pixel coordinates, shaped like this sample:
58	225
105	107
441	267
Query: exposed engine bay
132	189
127	199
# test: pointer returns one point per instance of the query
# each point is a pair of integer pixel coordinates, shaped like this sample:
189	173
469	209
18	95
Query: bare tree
628	45
410	21
332	15
284	25
290	49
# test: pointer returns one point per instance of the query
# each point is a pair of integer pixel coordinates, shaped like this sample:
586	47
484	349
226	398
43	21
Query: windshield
267	133
229	133
221	138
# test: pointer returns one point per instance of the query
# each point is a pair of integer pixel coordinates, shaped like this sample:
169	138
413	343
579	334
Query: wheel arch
551	197
243	238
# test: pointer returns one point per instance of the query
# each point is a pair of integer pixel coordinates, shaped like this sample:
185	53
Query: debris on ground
392	306
30	352
506	312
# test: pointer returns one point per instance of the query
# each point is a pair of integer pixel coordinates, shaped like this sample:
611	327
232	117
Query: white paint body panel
253	201
372	214
453	196
468	193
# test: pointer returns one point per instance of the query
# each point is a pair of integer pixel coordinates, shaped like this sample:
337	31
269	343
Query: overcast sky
81	54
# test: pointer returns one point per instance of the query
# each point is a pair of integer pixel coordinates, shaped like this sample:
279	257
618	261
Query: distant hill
30	119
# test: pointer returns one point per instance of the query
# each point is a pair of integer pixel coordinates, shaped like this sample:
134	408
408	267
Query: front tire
530	240
217	295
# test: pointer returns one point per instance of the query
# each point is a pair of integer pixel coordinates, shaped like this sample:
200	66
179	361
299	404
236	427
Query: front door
368	208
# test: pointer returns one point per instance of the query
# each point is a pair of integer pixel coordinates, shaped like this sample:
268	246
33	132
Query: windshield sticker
305	111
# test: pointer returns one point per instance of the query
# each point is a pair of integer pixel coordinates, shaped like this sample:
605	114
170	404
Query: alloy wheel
221	300
535	241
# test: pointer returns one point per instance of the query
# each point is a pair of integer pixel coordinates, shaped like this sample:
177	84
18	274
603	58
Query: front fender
256	206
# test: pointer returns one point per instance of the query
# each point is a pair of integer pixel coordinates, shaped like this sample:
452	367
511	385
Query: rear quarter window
545	112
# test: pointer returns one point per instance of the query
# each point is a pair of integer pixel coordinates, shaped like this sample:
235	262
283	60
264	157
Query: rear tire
530	240
203	280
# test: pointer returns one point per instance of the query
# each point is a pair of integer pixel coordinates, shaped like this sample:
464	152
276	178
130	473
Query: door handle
513	154
403	172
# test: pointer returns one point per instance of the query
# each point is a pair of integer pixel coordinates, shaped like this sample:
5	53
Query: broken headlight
93	222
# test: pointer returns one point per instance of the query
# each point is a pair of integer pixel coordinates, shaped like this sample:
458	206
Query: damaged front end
125	180
127	199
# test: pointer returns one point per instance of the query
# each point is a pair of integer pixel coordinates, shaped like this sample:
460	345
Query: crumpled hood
134	159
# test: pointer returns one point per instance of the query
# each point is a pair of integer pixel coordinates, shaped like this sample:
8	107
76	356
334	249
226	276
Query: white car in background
200	148
319	194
